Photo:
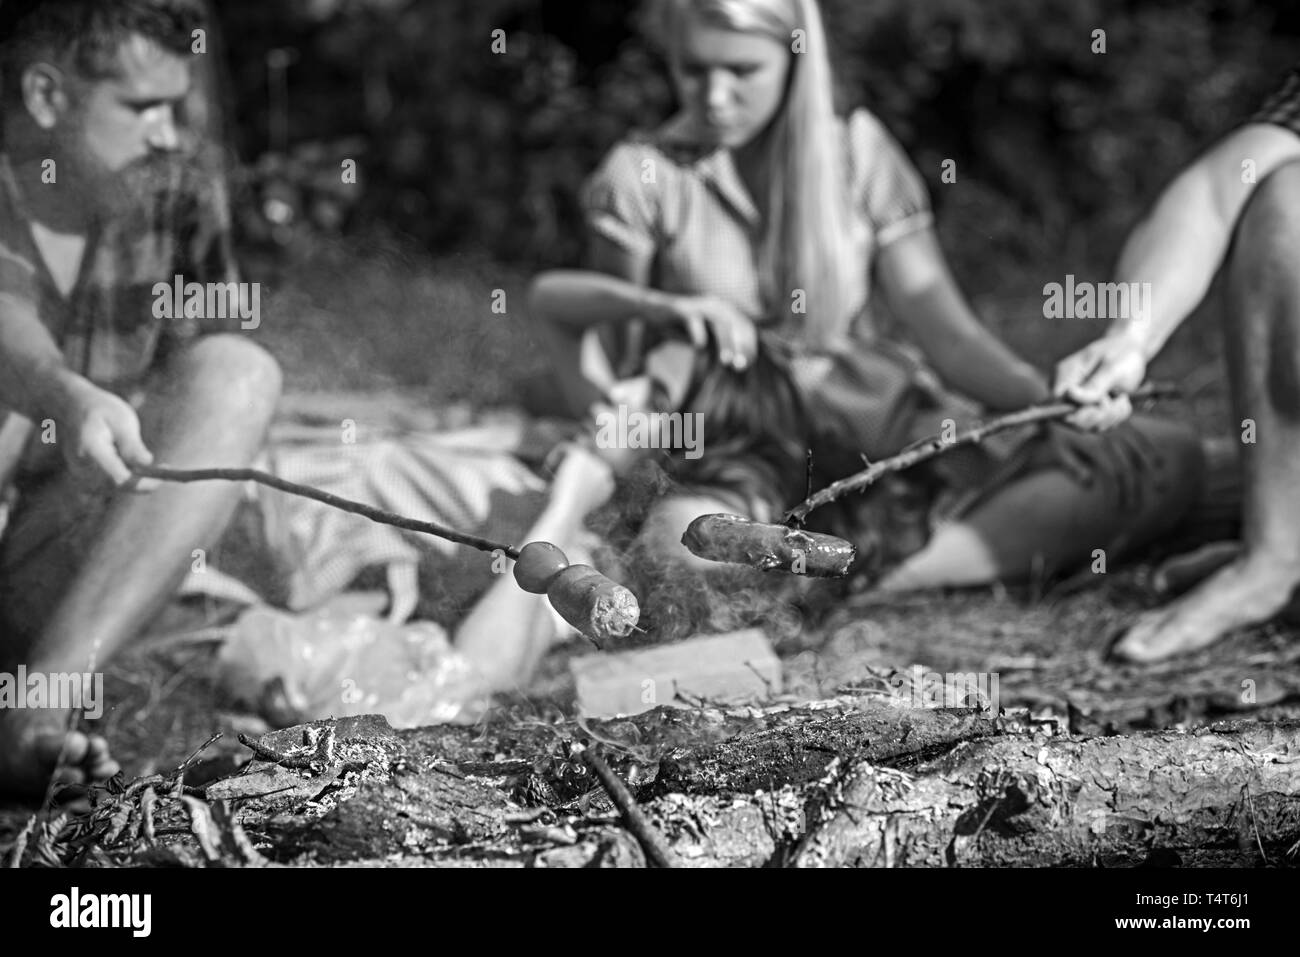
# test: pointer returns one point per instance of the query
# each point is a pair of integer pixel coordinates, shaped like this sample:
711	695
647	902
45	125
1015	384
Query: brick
715	667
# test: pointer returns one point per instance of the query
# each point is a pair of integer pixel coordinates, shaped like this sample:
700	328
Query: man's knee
240	370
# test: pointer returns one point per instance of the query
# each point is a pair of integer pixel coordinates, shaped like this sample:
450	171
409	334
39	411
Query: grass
371	315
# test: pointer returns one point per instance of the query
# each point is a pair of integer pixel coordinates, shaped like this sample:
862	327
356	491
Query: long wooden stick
929	448
306	491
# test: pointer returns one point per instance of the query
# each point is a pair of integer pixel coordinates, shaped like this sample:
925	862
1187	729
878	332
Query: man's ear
45	94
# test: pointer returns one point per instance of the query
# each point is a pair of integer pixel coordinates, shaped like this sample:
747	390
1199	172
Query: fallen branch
931	447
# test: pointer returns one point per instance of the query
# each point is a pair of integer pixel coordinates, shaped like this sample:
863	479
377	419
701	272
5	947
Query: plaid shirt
1283	107
106	326
660	193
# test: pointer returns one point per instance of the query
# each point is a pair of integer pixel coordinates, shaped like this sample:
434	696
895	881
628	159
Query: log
825	784
1227	794
1215	797
799	750
423	811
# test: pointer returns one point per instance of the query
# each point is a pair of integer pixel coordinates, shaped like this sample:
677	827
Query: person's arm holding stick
1177	248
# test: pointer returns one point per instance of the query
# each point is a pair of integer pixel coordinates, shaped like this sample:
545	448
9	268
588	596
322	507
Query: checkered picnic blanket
470	480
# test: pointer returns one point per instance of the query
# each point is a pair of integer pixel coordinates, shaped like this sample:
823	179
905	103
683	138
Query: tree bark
1227	794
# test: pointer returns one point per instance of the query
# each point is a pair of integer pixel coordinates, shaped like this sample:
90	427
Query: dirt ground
1046	651
1044	643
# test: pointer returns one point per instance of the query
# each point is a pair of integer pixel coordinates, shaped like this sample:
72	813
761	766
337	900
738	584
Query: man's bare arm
1178	248
98	429
32	370
1181	243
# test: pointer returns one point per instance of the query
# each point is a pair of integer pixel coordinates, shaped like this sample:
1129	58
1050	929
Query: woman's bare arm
922	292
614	286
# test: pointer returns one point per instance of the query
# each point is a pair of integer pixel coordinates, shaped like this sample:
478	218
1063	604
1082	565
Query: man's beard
135	185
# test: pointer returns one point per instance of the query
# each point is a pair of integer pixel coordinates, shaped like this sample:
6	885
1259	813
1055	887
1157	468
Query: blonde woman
732	254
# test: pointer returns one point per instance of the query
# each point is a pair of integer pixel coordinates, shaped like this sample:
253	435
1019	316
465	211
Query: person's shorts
762	427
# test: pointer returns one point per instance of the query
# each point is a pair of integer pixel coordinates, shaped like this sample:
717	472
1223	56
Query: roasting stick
595	605
736	540
306	491
931	447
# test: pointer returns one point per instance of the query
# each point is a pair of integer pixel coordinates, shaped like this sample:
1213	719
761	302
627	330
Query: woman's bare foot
1251	590
35	754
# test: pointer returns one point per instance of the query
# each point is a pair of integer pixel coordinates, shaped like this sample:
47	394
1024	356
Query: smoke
679	599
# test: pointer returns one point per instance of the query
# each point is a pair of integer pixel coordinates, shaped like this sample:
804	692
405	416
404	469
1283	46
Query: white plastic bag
333	664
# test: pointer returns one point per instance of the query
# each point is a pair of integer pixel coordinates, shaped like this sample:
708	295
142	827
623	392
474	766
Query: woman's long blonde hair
806	243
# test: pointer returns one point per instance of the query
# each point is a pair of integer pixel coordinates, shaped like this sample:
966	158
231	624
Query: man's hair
88	33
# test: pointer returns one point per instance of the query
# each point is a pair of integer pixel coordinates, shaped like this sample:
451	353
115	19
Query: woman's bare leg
508	630
1047	522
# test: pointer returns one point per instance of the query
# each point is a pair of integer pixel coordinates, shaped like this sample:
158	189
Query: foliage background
470	161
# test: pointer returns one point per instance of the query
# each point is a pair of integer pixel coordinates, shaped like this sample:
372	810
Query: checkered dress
659	192
106	325
1283	107
660	195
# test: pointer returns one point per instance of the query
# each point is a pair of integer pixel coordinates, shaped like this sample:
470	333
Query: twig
185	765
929	448
15	855
651	841
147	801
306	491
297	761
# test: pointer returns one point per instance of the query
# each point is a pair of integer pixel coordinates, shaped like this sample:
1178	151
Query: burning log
599	608
731	538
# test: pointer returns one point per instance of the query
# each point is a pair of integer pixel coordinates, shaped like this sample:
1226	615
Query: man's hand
711	316
101	434
1099	377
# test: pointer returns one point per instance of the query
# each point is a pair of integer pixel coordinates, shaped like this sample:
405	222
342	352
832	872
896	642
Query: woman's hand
708	317
1099	377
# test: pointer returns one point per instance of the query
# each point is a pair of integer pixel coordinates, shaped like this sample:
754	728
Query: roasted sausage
732	538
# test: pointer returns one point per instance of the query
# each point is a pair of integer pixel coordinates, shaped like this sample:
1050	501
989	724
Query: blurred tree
472	145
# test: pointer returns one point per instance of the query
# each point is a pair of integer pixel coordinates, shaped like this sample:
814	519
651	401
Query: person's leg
1263	349
660	538
211	407
508	629
1046	521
